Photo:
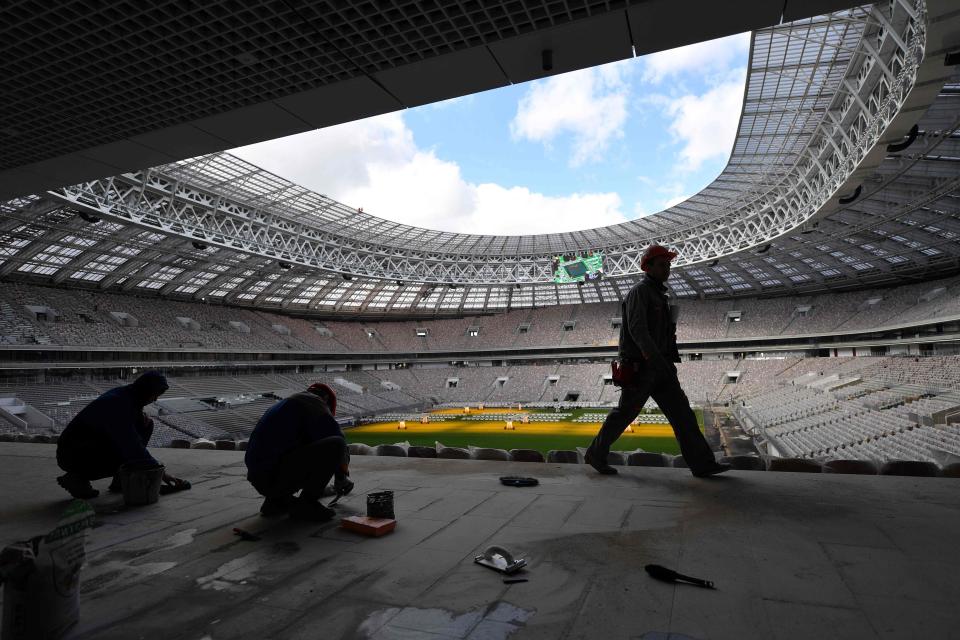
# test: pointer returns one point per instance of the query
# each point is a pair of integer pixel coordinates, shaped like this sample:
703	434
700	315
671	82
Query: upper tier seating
91	318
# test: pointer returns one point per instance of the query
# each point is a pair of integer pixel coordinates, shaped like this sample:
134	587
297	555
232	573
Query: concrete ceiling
95	88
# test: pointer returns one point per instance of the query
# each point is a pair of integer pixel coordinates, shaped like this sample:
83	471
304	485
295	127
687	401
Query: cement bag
42	578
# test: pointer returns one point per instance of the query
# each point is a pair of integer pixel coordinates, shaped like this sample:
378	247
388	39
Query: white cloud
336	158
640	210
701	104
702	58
674	200
518	210
706	124
662	196
375	164
590	105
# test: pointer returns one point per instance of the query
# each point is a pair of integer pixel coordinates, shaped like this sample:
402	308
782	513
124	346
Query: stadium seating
746	463
90	318
393	450
860	467
951	470
800	418
360	449
793	465
909	468
526	455
486	453
562	456
879	409
873	419
646	459
452	453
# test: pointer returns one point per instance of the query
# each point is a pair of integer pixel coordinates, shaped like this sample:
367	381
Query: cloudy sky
575	151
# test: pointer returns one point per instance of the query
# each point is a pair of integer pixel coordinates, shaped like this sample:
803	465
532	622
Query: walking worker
298	446
109	432
648	349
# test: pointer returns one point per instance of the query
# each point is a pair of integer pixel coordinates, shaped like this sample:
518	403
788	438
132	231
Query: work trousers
96	457
307	469
666	391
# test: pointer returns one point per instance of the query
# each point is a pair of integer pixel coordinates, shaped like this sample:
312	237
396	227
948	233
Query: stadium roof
94	88
827	187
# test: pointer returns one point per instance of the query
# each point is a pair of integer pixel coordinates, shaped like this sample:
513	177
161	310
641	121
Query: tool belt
625	373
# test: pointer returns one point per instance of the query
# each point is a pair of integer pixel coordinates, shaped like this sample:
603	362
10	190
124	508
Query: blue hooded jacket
114	418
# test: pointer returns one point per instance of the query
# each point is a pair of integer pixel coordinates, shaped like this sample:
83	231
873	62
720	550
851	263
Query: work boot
274	507
712	470
310	511
601	467
77	487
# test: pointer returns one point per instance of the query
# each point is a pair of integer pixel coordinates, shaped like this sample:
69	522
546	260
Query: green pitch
541	437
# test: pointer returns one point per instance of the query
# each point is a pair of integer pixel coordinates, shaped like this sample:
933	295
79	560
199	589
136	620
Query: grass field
541	436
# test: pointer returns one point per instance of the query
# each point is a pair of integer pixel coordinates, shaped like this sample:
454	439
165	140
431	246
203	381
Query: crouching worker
108	433
298	446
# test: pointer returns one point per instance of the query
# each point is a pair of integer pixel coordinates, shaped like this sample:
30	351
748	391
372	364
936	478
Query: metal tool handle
706	584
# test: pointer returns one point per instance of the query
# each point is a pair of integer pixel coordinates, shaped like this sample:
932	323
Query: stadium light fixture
853	196
900	146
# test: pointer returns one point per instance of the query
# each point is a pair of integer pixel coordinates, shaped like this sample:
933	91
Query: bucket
380	504
141	482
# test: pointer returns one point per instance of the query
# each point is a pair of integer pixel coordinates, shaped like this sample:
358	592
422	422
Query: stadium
817	277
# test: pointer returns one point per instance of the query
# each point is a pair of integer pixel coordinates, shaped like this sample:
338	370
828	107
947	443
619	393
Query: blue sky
579	150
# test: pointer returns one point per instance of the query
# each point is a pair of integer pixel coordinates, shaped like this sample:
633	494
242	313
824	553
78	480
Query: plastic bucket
141	483
380	504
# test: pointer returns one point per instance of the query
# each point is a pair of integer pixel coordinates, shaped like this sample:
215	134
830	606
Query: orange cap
655	251
320	389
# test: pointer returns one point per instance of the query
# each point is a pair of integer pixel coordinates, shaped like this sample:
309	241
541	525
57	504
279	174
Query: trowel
499	559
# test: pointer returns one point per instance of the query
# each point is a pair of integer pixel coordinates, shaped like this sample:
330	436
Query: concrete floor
792	555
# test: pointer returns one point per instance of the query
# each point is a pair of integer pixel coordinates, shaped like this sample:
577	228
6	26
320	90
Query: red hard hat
318	388
655	251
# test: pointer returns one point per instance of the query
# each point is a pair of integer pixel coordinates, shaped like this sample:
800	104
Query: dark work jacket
647	325
290	424
113	421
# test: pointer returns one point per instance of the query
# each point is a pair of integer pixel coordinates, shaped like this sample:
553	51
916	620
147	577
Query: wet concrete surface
792	555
